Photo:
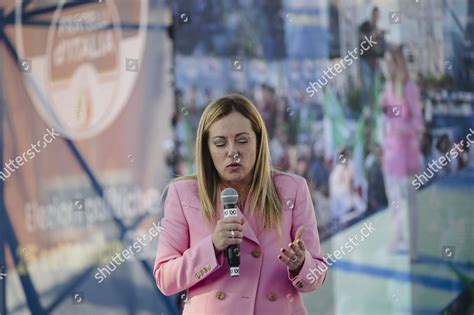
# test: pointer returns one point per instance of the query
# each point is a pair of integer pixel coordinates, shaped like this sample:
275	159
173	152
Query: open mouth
234	165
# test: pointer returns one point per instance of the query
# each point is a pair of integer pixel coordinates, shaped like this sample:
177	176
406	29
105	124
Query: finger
232	227
232	241
237	234
299	232
228	235
289	254
301	245
297	246
284	259
232	220
297	250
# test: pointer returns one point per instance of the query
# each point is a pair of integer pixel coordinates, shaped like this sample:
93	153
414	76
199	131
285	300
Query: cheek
218	158
252	156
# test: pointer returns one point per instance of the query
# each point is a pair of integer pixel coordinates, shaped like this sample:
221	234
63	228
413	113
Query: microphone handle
232	251
233	255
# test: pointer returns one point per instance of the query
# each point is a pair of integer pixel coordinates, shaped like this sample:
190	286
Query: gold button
272	296
256	252
220	295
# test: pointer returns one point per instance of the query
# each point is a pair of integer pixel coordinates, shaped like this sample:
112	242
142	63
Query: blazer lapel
248	230
249	224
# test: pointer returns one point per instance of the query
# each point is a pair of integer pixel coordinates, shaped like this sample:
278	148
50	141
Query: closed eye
220	144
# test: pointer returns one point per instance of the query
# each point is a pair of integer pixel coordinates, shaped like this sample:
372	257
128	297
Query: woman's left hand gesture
294	255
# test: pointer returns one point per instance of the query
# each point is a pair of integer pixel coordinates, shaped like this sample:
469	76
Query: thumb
299	232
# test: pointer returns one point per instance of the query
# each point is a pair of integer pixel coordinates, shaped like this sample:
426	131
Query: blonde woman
275	228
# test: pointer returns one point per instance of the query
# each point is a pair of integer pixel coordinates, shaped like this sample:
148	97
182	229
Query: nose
232	153
232	150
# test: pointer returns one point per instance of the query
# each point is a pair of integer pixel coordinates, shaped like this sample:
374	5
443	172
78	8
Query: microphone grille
229	196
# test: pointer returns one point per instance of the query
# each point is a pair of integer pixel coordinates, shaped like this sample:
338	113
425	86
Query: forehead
230	125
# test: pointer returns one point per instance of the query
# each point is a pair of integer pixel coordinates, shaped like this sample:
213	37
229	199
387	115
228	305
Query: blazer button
299	284
256	253
272	297
220	295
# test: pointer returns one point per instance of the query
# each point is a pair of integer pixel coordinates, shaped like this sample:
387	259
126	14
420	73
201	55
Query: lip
234	165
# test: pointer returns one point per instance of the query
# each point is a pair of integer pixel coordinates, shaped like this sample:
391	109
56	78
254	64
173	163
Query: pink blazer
185	256
401	149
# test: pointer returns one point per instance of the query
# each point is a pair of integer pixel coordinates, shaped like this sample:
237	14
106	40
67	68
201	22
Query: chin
233	176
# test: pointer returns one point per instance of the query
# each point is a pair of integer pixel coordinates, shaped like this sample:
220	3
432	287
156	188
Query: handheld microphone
229	198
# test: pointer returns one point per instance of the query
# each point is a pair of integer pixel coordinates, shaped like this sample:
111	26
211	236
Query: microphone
229	198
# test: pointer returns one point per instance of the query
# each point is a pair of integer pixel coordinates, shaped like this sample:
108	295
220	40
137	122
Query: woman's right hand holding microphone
228	231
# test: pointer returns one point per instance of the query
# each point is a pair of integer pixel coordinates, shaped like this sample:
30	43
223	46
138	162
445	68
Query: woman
401	150
276	226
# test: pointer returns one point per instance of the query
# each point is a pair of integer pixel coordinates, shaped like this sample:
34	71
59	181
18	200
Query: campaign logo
79	80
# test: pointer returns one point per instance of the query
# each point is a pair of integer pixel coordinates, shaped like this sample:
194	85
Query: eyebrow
242	133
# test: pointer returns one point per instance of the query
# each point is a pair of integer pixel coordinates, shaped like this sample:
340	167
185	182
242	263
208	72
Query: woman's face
232	141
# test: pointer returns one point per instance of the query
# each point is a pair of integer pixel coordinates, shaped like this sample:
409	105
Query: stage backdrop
99	75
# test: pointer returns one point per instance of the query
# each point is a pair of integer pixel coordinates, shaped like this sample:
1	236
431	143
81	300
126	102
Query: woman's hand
294	256
228	231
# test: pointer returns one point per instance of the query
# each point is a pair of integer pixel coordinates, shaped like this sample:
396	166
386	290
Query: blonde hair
263	194
401	70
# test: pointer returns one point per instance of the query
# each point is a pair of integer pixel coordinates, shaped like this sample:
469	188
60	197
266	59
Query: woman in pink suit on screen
275	227
401	151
